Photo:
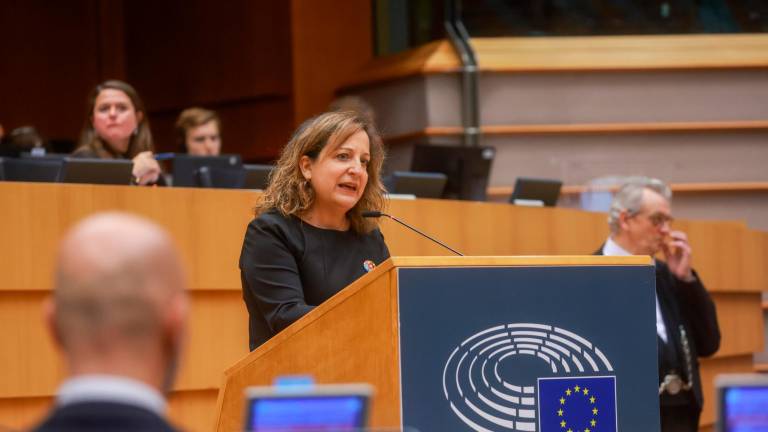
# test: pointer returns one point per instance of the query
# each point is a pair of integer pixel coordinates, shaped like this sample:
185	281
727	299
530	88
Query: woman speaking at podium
309	238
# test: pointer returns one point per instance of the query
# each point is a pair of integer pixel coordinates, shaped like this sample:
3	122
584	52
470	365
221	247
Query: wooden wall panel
331	41
180	53
710	368
234	58
49	63
740	317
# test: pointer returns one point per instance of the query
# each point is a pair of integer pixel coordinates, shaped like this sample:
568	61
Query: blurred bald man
118	314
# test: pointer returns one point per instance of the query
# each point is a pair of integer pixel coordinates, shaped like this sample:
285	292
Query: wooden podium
362	334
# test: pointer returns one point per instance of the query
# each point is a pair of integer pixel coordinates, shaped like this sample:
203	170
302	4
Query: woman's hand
146	170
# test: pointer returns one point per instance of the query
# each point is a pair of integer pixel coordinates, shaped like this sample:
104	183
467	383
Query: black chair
420	184
31	170
527	189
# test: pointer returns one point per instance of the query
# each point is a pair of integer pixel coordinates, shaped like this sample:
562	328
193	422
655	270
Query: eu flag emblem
577	404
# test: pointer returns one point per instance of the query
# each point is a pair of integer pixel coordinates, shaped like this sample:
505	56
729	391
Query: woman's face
204	140
115	118
339	174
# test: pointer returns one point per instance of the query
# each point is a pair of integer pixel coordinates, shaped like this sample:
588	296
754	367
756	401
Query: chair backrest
420	184
97	171
537	189
31	170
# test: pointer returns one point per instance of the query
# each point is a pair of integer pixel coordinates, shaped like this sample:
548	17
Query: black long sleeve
288	267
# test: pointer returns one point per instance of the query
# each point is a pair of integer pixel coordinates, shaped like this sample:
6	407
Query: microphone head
372	214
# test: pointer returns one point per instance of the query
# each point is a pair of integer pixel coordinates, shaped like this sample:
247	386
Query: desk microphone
376	214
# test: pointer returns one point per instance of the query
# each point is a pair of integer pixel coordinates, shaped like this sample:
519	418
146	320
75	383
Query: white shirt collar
611	248
111	388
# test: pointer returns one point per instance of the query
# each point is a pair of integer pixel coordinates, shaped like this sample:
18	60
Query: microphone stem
424	234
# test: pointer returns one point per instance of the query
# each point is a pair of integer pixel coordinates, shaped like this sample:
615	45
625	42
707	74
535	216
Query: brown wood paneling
332	41
710	368
233	57
49	63
208	226
180	53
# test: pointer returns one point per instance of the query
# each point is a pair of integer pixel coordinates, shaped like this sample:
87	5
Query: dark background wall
265	66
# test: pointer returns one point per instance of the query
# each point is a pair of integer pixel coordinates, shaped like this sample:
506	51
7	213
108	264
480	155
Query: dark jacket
690	305
103	416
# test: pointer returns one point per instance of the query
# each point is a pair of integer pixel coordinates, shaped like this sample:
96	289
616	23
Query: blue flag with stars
577	404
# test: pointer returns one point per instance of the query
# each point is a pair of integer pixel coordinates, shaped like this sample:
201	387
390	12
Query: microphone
377	214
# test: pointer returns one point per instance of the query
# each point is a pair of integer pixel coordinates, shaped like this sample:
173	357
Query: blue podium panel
550	348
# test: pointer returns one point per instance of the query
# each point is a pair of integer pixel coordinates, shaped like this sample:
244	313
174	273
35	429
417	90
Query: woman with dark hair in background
117	127
199	132
310	239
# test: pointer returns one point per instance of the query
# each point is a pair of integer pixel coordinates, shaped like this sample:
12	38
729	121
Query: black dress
288	267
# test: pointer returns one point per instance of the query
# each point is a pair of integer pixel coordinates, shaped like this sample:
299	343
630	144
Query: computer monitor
336	408
419	184
31	170
466	168
185	166
536	189
742	403
245	177
97	171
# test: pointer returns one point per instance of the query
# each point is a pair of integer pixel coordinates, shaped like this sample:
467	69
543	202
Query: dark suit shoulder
103	416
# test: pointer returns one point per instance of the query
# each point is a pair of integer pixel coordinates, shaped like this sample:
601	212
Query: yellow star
594	411
568	392
570	430
562	424
560	413
577	388
592	399
562	401
586	391
586	430
593	422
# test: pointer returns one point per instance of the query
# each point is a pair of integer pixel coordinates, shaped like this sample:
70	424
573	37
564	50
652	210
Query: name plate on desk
540	348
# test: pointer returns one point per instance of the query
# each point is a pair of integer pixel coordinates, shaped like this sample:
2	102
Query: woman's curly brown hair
289	192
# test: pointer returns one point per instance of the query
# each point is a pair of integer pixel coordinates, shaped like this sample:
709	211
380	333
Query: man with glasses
686	321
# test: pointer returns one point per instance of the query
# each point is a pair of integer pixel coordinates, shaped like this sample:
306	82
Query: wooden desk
208	226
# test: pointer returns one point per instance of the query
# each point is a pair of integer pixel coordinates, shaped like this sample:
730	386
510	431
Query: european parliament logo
573	389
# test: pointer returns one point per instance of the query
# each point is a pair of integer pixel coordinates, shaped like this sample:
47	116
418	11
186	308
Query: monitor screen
31	170
467	168
743	403
535	189
97	171
315	408
185	167
419	184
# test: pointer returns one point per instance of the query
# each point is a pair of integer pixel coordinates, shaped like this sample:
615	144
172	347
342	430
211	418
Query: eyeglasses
657	219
